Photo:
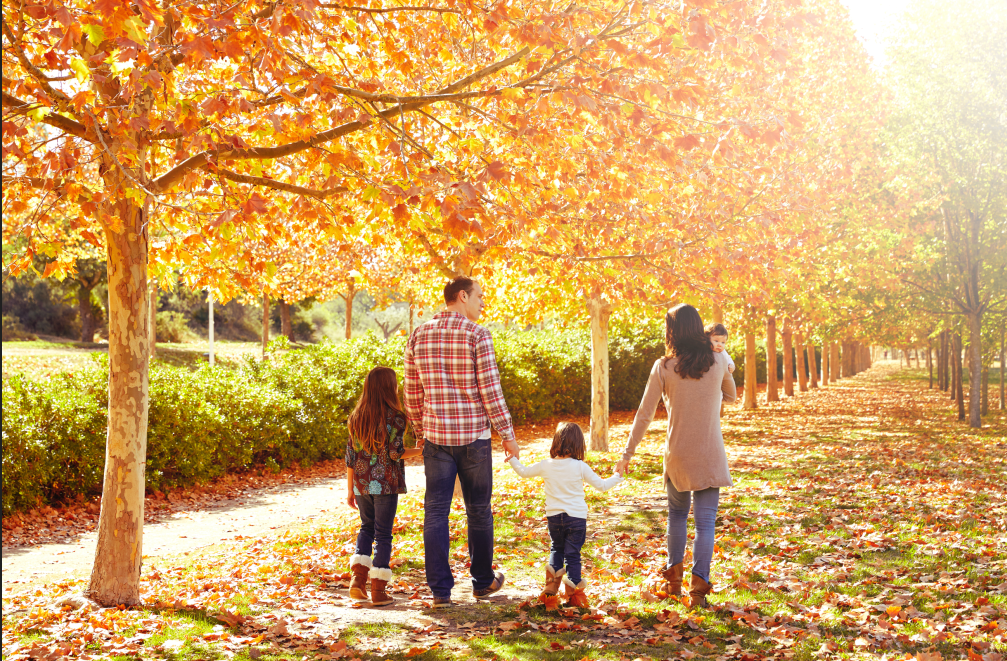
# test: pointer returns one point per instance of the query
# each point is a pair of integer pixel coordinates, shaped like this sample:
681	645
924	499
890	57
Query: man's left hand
511	449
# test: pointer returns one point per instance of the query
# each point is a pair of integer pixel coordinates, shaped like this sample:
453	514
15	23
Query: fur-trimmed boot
673	581
574	593
553	579
698	592
380	576
360	565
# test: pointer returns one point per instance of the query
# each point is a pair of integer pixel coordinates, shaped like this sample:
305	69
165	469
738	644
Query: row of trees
618	155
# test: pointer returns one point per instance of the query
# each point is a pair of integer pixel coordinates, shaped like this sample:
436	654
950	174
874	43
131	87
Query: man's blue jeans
473	465
704	506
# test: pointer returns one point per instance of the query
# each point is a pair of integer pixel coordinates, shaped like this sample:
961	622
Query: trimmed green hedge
289	409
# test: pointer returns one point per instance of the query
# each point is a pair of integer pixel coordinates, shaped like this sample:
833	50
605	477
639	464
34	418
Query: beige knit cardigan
694	456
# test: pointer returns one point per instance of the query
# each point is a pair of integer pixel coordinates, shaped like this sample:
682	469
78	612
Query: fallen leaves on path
864	522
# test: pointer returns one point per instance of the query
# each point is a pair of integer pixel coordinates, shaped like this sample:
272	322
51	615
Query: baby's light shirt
564	483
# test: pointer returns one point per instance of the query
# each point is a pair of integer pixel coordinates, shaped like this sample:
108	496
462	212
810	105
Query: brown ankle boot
360	565
575	593
698	592
379	581
673	577
553	579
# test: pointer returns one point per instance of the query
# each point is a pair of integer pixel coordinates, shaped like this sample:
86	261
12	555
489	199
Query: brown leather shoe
498	582
553	579
673	577
360	565
698	592
379	581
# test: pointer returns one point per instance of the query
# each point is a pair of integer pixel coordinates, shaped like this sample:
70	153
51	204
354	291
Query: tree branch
66	124
279	185
173	176
385	10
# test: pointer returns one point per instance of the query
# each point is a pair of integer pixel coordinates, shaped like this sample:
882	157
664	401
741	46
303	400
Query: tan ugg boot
380	576
553	579
575	593
673	577
698	592
360	565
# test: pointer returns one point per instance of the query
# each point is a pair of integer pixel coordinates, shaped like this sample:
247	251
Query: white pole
210	299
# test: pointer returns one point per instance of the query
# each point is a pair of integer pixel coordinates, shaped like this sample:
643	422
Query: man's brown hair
460	284
716	329
568	441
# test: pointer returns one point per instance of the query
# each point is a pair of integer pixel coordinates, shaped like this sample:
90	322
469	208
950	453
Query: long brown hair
367	422
685	339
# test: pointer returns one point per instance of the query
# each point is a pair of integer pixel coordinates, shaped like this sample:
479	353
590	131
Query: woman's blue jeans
705	505
377	517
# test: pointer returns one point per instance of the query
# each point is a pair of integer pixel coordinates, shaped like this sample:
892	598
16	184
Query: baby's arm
730	363
589	476
526	471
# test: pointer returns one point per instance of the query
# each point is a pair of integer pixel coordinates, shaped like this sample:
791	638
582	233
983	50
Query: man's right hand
622	466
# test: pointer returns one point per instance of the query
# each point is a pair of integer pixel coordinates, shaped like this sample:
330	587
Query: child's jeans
704	505
567	534
377	516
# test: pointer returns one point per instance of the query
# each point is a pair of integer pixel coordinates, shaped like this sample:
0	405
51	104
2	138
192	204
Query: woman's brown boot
553	579
575	593
673	577
360	565
379	581
698	592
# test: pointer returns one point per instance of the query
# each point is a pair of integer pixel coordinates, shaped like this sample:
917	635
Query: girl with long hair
693	380
375	476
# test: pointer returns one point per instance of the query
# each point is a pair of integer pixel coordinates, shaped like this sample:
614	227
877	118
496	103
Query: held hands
511	449
622	467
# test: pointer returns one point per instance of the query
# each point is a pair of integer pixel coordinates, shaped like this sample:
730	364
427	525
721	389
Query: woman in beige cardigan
693	381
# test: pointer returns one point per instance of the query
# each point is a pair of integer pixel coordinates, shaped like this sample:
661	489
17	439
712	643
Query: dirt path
269	510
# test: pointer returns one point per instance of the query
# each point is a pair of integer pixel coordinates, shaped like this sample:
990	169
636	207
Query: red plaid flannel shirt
452	385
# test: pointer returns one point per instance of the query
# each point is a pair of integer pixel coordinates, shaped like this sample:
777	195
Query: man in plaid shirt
452	397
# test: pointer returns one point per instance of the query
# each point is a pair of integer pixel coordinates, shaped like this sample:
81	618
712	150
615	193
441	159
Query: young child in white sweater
565	508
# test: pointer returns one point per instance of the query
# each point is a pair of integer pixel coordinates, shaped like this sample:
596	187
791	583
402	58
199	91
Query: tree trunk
955	362
115	577
285	328
600	311
788	359
772	388
1003	355
411	309
153	319
975	369
826	346
751	373
87	324
351	293
986	391
930	363
849	359
802	375
946	360
959	370
812	365
265	323
835	363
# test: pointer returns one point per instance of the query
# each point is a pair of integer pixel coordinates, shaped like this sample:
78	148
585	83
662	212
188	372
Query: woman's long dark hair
367	422
685	339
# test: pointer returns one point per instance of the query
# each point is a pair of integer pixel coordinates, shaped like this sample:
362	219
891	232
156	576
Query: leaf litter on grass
864	522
